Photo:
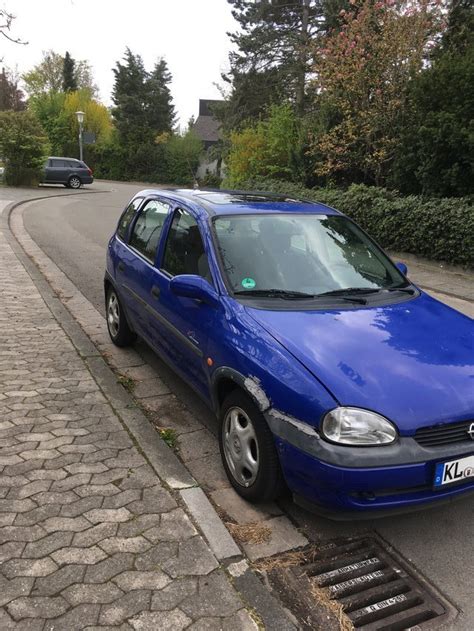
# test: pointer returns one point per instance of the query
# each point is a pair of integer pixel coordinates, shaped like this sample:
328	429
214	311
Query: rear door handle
155	291
121	266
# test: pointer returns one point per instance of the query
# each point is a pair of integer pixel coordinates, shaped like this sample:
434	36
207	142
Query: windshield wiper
408	290
346	291
277	293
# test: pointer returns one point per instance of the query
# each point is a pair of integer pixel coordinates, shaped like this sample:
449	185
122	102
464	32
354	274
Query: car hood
413	361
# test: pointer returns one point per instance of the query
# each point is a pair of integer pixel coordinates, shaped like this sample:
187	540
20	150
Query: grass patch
127	382
169	436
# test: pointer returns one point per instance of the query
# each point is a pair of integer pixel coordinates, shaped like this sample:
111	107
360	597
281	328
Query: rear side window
127	217
148	226
184	252
59	163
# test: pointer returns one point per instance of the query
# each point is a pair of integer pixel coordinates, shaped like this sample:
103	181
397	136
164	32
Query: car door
48	175
135	264
184	325
58	171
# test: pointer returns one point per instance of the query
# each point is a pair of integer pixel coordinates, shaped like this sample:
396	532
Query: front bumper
368	480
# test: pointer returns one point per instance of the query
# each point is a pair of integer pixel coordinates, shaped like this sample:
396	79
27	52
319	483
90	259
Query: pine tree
69	74
161	114
129	96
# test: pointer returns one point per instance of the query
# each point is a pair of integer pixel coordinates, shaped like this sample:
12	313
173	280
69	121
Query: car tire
120	332
248	450
74	182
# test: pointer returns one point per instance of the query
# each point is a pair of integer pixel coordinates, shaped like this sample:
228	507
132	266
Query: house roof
206	127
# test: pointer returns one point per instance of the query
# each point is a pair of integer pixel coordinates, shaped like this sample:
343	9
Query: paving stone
37	607
87	556
138	525
128	581
154	500
121	499
194	558
104	490
75	619
81	467
81	506
21	533
11	550
284	537
107	569
172	595
108	514
71	482
16	506
154	558
105	593
48	544
209	472
73	524
125	544
39	474
215	597
125	607
160	621
7	519
37	515
199	444
240	621
10	590
174	526
94	534
59	580
28	567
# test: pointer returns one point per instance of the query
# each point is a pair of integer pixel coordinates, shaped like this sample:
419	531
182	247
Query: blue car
331	373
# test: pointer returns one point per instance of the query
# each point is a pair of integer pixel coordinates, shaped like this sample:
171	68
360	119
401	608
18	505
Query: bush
438	229
23	146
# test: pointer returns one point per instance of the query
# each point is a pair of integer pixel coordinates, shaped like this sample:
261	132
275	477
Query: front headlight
353	426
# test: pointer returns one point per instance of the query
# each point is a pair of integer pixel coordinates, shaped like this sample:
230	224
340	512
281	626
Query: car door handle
155	291
121	266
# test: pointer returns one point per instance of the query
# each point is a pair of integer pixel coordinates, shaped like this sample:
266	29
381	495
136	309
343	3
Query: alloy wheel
75	182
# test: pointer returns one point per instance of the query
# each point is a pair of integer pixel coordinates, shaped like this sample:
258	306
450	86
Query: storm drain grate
370	587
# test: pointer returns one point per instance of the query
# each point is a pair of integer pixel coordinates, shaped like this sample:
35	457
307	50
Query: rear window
127	217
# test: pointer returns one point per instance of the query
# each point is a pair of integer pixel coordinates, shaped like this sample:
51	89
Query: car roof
226	202
62	158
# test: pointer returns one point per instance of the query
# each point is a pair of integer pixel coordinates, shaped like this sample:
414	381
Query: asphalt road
74	232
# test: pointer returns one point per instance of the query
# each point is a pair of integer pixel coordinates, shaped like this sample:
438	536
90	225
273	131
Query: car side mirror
402	267
193	286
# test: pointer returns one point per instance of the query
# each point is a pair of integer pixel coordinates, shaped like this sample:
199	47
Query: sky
189	34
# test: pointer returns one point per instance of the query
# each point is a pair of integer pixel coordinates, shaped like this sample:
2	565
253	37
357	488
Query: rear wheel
74	182
119	331
248	450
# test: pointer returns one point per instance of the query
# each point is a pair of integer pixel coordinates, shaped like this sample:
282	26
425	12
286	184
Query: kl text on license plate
454	471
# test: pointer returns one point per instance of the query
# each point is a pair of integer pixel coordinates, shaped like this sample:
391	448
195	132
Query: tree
69	74
57	113
363	78
436	152
6	21
130	100
23	145
160	112
47	76
11	97
269	148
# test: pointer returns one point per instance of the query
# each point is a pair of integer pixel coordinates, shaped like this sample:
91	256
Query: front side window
312	254
147	229
127	217
184	251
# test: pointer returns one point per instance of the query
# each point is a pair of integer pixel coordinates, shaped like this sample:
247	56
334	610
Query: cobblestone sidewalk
89	538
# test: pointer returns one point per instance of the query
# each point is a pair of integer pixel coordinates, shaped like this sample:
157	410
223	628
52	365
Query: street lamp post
80	120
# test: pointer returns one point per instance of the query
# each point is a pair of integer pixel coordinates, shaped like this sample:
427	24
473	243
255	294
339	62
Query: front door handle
121	266
155	292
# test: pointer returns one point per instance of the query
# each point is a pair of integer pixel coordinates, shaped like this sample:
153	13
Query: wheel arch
225	380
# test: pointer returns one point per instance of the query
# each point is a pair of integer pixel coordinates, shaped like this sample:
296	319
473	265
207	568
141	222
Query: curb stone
162	459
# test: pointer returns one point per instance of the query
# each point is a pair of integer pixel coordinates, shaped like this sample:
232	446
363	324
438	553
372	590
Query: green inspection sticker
248	283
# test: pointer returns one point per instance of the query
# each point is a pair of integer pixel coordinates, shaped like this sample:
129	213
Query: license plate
454	471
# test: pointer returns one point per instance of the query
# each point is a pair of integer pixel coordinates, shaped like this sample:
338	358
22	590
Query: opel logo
470	431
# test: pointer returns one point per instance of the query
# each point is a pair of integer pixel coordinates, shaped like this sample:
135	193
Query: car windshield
301	254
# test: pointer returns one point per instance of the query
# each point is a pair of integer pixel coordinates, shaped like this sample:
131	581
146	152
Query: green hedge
437	229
